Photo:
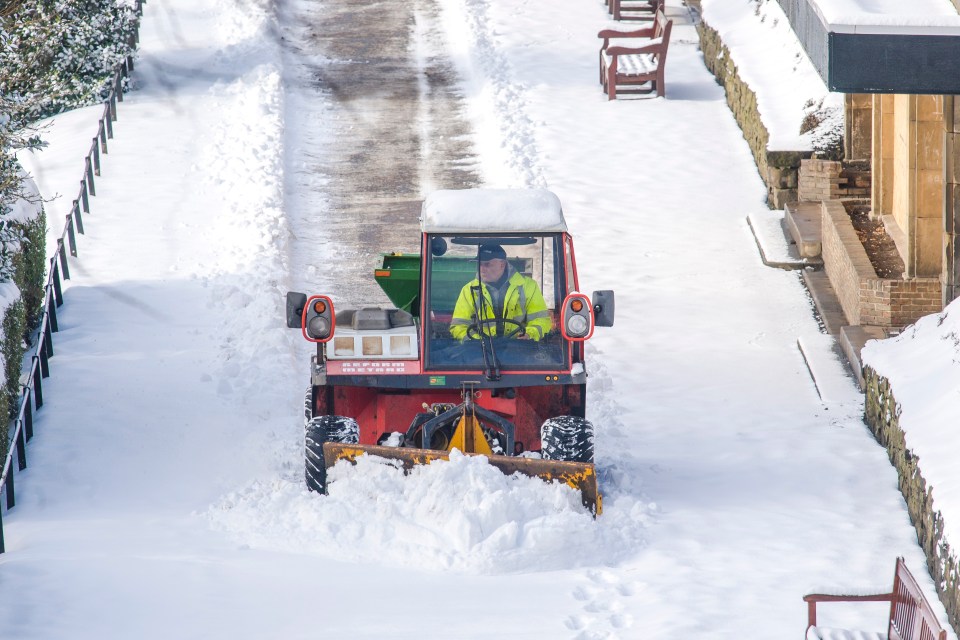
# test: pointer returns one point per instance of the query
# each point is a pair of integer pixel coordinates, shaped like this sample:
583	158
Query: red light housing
576	318
318	321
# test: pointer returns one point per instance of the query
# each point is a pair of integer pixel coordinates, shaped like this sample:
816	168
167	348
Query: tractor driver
511	303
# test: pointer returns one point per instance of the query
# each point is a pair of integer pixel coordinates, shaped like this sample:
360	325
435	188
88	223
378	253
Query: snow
926	17
486	210
787	83
29	207
165	494
923	367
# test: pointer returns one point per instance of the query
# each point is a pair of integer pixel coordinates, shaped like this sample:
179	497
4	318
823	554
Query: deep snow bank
923	367
463	515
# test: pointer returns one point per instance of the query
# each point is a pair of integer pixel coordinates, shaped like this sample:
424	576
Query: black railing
31	396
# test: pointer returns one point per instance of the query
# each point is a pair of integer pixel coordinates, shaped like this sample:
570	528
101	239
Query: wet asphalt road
393	126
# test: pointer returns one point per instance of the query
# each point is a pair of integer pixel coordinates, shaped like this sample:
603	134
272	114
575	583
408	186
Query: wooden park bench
634	9
638	68
911	617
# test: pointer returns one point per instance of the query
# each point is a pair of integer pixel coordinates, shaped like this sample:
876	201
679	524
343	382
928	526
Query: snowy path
165	498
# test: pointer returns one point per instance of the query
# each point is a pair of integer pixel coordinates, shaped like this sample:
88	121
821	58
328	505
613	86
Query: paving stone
803	223
825	300
852	340
776	248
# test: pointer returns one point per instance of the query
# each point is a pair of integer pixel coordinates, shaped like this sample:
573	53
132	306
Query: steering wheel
476	330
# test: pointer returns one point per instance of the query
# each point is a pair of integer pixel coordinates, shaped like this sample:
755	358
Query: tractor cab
533	322
467	327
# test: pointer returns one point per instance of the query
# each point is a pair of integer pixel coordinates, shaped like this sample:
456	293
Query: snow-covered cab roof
492	211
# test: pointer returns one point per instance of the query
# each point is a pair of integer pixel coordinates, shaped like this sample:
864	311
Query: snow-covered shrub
26	225
22	277
823	126
57	55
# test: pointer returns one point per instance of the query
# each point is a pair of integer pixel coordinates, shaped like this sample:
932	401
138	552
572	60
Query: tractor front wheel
308	406
325	429
567	438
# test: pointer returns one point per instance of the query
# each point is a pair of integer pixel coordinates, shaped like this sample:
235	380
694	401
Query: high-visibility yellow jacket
522	303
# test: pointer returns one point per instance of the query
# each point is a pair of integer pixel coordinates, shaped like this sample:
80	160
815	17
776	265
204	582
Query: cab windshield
492	302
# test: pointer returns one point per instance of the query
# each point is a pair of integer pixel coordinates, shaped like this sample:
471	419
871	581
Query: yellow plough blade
579	475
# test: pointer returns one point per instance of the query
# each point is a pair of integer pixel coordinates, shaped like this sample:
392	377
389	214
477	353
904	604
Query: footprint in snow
603	603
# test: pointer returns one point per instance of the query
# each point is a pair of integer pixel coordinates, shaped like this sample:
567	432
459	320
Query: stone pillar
858	126
881	160
930	186
918	187
950	275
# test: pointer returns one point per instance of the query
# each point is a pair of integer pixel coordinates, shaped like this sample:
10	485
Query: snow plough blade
579	475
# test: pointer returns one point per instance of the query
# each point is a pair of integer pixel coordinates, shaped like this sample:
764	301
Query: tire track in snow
618	472
504	127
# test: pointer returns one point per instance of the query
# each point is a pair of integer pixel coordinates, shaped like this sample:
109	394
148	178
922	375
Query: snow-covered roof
491	211
877	46
917	17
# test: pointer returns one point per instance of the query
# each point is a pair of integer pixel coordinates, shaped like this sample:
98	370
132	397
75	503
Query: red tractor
492	367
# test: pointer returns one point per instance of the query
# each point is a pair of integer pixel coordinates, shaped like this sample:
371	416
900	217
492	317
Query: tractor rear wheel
325	429
567	438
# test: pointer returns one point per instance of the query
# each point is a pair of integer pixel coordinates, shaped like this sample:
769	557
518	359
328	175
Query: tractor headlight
318	327
577	326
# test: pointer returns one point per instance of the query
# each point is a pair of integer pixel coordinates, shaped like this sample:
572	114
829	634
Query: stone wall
777	168
867	299
832	180
844	259
882	415
897	303
951	250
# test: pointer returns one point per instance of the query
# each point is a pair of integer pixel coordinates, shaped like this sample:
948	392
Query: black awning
912	60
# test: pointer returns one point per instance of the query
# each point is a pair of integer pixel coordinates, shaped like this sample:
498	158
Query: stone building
899	74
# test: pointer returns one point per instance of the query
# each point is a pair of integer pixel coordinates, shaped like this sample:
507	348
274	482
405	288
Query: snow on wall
923	367
771	60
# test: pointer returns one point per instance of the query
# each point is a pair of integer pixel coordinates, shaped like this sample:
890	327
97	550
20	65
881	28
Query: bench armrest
813	598
614	33
826	597
622	51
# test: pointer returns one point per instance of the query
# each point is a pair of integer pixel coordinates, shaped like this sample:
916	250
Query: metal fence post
21	448
27	402
71	237
95	152
102	135
48	343
11	494
37	386
110	115
76	216
84	198
89	170
52	318
55	276
61	249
